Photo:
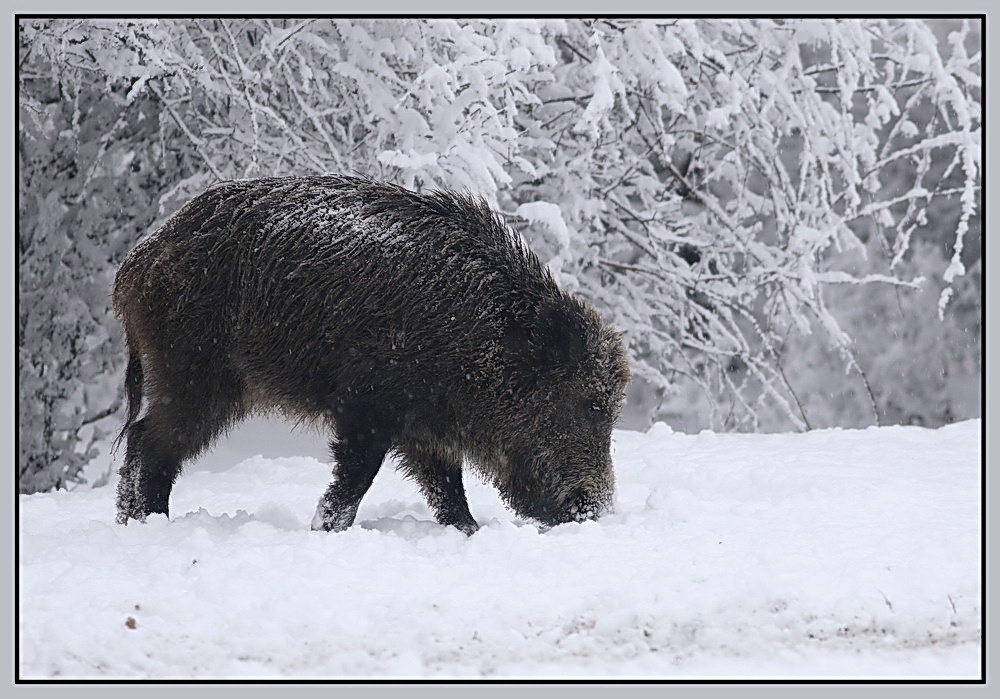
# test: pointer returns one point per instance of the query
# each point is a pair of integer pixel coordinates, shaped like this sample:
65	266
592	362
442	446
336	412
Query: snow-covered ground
828	554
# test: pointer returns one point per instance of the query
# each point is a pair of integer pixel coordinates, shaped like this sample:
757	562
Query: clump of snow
410	159
606	84
550	216
828	554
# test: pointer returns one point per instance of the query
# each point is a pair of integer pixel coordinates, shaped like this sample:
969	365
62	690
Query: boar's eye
589	409
596	410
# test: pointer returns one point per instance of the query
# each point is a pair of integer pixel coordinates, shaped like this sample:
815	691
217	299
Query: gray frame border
430	7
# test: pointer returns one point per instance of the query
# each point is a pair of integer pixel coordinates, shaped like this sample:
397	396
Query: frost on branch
701	181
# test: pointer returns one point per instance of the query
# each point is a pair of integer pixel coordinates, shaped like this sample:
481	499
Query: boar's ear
560	335
552	335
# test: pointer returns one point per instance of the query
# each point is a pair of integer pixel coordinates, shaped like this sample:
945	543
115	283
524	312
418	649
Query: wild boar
417	323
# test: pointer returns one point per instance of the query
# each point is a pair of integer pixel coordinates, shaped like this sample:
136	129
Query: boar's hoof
124	517
329	520
467	527
131	507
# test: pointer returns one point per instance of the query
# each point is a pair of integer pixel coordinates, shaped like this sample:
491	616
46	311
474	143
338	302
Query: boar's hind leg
177	426
146	476
440	480
363	439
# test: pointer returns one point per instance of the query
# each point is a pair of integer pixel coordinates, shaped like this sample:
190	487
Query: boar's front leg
363	438
440	479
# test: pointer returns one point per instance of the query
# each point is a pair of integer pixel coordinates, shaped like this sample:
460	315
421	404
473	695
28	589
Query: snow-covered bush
695	179
92	170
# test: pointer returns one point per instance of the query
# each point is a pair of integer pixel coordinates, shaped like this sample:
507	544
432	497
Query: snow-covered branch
702	182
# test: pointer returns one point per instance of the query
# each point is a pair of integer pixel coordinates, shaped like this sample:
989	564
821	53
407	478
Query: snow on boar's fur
411	322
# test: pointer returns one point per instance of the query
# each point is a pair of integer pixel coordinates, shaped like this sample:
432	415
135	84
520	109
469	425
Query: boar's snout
584	504
584	507
583	511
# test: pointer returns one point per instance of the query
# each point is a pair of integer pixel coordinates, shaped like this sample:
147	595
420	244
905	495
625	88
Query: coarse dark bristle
418	323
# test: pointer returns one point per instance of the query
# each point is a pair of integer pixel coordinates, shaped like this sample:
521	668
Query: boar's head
566	377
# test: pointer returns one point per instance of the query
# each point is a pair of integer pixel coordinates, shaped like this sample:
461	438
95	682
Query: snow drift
827	554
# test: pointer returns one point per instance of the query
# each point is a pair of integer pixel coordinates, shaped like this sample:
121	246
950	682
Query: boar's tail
133	395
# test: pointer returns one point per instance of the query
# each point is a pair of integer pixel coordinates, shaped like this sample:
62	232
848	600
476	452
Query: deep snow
836	553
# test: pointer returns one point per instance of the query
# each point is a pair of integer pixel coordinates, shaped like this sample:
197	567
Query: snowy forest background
782	216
